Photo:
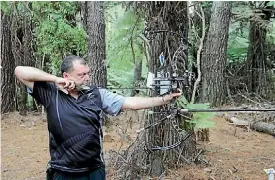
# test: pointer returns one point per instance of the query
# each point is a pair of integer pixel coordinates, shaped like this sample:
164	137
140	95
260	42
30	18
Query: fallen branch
259	126
237	122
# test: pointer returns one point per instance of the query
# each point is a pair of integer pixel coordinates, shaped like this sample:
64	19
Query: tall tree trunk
22	51
95	28
138	68
169	17
257	59
137	76
28	49
172	41
83	13
7	66
257	65
213	62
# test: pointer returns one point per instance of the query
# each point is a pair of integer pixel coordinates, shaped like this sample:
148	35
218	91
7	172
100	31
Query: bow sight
163	83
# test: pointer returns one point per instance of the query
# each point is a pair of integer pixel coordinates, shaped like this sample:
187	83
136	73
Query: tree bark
137	76
169	17
84	13
27	59
177	22
257	63
213	62
264	127
95	28
256	59
7	66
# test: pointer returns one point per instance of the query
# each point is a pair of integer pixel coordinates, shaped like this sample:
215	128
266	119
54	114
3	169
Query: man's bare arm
136	103
28	75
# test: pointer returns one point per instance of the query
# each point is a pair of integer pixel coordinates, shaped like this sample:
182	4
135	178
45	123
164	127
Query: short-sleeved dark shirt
74	125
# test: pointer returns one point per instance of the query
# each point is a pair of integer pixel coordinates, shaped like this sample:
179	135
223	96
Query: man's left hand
169	97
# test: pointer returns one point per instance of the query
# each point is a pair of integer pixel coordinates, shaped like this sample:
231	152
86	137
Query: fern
199	119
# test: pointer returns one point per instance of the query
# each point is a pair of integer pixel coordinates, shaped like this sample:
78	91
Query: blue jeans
97	174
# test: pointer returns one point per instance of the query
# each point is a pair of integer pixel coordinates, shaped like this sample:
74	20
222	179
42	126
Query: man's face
80	74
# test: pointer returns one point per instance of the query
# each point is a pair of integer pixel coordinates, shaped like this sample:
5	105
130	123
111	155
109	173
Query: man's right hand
64	85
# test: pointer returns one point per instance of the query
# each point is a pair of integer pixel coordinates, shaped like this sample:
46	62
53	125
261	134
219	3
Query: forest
220	55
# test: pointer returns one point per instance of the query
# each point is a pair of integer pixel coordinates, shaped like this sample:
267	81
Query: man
74	117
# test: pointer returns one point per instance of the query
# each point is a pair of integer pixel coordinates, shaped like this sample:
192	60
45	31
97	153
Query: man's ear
65	75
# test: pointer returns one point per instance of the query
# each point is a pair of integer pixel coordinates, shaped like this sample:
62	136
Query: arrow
224	110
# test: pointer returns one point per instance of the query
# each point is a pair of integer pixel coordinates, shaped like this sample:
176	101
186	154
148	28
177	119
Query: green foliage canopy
55	34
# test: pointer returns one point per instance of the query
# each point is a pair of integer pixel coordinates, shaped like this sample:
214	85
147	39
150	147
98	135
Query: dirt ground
234	153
